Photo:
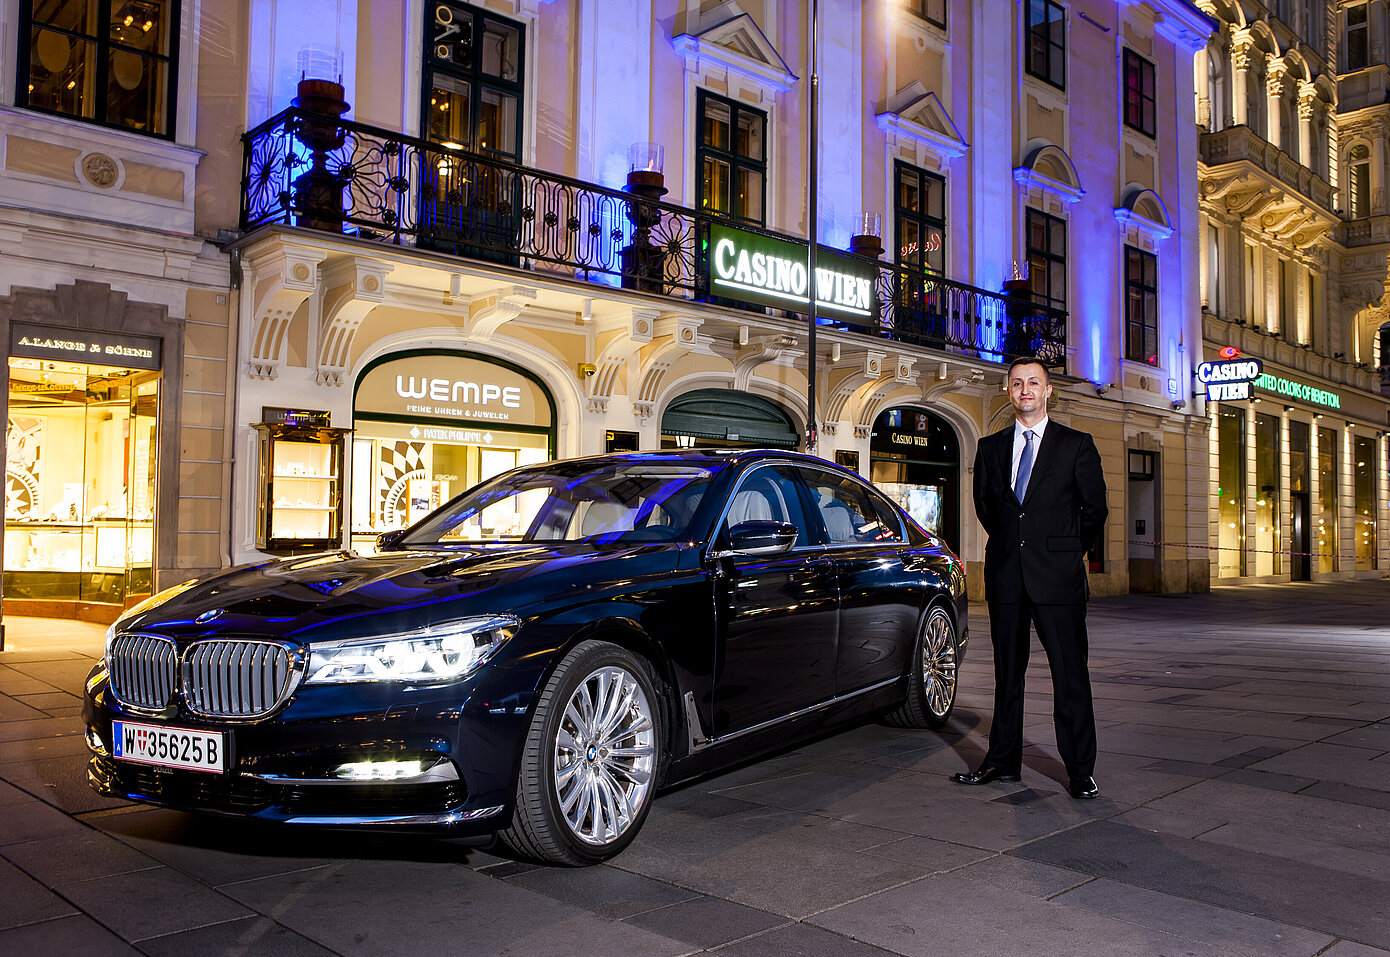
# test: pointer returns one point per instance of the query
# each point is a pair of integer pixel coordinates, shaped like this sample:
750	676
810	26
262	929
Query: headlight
440	652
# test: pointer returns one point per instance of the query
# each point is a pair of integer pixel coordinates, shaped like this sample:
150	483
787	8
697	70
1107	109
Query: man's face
1029	389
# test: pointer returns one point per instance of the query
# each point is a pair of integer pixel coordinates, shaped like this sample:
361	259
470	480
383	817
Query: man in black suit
1040	494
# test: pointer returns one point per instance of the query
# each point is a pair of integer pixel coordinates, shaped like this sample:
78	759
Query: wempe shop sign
773	272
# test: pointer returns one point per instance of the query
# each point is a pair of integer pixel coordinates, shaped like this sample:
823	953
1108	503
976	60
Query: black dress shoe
983	775
1083	789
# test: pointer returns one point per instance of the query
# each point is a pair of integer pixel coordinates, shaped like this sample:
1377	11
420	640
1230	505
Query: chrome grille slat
236	678
143	671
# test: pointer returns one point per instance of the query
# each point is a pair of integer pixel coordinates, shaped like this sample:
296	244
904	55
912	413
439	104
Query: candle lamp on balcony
318	192
868	237
644	265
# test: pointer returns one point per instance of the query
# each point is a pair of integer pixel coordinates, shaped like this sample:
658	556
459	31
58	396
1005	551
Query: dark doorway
1301	566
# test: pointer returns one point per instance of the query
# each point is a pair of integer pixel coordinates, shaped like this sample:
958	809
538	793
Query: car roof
708	457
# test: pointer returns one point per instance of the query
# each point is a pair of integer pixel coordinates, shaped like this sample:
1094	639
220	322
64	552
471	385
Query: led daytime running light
440	652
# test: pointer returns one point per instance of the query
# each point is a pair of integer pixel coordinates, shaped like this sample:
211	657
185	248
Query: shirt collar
1037	430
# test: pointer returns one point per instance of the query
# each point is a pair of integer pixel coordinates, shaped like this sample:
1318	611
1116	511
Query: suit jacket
1037	547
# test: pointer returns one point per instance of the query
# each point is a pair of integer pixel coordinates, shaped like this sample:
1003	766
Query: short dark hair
1030	361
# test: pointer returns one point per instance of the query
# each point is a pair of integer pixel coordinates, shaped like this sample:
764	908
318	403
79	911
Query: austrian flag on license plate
169	747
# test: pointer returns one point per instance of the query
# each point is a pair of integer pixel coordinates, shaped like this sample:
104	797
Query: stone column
1275	83
1307	110
1241	48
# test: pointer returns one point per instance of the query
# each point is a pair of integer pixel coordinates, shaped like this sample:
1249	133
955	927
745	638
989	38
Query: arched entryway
914	456
726	418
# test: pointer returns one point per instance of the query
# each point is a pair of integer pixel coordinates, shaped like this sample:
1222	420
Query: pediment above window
738	47
1050	170
1143	211
917	116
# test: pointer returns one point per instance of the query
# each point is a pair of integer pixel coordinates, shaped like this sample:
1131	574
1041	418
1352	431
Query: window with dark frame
1046	30
109	62
1141	306
919	215
1047	258
473	80
932	11
1139	94
731	157
1358	38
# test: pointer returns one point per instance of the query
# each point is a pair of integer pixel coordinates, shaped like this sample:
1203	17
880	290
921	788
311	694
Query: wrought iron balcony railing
307	169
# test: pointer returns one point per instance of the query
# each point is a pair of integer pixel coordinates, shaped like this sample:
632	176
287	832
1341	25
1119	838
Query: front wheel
933	675
588	770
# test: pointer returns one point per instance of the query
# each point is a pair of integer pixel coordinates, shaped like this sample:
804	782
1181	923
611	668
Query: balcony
1254	178
304	169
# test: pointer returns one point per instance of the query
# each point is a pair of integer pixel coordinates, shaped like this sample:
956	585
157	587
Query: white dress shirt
1019	429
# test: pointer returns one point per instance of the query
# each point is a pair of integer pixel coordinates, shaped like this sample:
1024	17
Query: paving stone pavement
1245	810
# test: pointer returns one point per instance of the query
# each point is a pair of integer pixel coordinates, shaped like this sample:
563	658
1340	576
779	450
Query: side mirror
387	541
762	538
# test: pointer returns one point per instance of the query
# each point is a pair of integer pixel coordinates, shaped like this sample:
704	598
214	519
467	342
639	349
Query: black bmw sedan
537	657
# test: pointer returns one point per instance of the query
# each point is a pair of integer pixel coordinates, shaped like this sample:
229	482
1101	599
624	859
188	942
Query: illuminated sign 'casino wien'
773	272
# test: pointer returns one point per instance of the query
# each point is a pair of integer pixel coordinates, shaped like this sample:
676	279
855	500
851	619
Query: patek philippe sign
1229	380
35	341
452	387
773	272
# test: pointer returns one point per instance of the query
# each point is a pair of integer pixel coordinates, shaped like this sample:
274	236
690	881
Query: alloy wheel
605	755
939	663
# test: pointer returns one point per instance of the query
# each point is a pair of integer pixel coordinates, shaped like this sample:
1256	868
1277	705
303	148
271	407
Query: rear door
864	541
777	615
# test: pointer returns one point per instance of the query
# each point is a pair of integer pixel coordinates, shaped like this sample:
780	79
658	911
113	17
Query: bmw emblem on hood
208	616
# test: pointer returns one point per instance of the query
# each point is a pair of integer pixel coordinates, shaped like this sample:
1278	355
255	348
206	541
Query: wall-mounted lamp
455	289
586	310
1317	415
941	372
1179	405
1351	424
743	335
834	352
685	441
1288	408
587	370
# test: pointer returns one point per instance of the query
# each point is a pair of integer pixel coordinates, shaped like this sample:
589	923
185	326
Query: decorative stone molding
352	288
1143	217
100	170
735	48
917	117
759	350
490	311
281	281
1050	170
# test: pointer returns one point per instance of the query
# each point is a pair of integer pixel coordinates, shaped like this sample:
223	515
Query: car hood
327	596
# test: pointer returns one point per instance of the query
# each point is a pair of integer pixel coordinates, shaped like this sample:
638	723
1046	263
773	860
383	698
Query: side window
846	513
890	526
769	494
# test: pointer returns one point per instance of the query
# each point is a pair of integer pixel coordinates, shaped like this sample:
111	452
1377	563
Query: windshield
627	503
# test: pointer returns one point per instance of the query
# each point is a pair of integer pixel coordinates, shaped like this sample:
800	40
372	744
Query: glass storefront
1267	557
1230	442
1327	500
1364	463
428	426
914	458
81	444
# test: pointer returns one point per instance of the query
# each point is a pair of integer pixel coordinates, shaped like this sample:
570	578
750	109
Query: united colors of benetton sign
773	272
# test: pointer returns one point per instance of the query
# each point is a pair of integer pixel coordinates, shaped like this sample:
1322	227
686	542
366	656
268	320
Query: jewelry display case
301	483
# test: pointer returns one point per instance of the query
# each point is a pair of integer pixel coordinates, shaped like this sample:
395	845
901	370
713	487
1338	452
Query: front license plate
169	747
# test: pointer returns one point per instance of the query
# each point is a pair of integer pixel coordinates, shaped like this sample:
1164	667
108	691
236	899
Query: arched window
1359	181
1216	90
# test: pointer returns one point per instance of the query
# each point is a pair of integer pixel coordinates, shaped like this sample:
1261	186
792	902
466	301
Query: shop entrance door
80	489
1302	564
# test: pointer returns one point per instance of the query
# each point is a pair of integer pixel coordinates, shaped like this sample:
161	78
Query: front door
1302	564
777	614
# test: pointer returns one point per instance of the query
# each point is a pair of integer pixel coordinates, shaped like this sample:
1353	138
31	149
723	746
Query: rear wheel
588	770
933	675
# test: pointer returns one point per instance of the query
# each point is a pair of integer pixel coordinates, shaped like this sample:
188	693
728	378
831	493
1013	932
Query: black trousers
1062	631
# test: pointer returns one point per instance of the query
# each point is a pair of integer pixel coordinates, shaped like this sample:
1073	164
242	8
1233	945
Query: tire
589	767
933	674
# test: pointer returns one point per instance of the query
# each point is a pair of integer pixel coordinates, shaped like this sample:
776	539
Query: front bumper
280	769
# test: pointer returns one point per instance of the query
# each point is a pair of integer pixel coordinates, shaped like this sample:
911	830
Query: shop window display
79	483
1230	492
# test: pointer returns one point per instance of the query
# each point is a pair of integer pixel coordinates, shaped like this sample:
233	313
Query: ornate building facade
1291	276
